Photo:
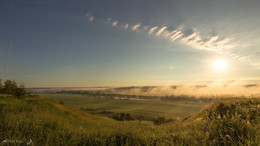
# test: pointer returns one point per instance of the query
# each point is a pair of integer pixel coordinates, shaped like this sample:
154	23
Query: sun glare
220	65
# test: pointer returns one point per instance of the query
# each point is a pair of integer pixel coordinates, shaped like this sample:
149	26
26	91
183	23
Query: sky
74	43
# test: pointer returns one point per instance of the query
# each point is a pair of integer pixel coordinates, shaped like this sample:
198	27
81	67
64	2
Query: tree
1	87
20	92
9	87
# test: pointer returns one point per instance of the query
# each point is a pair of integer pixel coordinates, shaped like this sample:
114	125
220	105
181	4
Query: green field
141	108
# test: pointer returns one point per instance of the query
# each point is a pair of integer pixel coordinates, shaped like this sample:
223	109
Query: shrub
61	102
122	116
162	120
11	88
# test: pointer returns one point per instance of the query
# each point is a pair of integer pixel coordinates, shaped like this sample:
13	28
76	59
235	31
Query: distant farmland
173	109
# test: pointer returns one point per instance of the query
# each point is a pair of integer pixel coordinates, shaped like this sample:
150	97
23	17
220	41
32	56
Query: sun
220	65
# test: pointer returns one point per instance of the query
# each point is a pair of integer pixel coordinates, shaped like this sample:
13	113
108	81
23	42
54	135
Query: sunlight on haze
220	65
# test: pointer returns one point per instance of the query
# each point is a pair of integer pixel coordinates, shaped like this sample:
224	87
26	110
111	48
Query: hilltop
46	122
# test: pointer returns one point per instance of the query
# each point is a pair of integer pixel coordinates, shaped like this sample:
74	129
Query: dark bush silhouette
1	87
122	116
161	120
11	88
61	102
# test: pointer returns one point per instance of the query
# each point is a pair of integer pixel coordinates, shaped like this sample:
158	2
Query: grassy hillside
46	122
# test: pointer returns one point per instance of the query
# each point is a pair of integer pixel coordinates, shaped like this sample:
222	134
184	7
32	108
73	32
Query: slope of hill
46	122
228	122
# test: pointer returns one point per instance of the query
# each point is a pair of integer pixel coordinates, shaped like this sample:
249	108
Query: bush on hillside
162	120
122	116
11	88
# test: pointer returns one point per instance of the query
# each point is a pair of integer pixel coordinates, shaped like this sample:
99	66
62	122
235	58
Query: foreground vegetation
46	122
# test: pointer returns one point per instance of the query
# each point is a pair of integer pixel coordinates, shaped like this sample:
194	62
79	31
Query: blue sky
139	42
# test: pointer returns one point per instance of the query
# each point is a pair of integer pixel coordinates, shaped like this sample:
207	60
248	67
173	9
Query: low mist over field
216	88
208	89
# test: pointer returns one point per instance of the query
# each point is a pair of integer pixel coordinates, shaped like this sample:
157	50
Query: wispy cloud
136	26
152	29
125	26
194	38
90	17
212	43
109	20
145	28
175	35
161	31
112	22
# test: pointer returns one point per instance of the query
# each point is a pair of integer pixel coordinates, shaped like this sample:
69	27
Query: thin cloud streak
152	29
135	27
112	22
161	31
195	40
177	34
125	26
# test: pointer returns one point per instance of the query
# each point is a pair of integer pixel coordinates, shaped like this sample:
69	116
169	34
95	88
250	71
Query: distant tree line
10	87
